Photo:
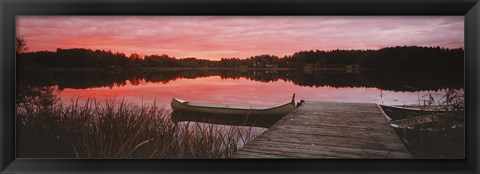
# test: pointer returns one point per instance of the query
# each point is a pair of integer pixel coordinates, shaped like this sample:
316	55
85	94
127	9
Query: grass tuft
118	129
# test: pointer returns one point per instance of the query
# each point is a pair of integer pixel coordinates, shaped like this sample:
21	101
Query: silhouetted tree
20	45
400	57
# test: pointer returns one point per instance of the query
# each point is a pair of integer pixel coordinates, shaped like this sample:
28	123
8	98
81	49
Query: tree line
401	57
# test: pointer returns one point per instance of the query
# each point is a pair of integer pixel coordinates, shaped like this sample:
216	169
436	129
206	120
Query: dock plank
328	130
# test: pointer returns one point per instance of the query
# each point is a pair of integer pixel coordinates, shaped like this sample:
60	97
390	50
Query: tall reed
119	129
444	138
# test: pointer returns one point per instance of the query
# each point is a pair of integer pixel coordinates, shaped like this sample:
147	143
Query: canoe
409	116
229	114
403	112
280	110
410	123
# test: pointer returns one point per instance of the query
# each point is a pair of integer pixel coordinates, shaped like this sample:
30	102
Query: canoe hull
236	120
399	113
229	115
178	105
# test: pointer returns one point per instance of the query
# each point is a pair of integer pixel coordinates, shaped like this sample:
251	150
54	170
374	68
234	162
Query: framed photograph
239	86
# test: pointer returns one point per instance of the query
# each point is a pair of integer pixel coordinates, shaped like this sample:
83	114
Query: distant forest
399	57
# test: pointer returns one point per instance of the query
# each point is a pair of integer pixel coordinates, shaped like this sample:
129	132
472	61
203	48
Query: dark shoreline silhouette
399	57
386	80
400	68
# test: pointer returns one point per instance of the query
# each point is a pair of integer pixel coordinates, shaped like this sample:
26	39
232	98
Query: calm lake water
253	88
242	91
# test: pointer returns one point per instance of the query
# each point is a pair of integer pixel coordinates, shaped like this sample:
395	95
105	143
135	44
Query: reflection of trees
386	80
29	96
32	95
413	80
434	68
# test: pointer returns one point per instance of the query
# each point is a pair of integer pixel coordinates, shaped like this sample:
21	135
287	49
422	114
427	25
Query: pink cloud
240	36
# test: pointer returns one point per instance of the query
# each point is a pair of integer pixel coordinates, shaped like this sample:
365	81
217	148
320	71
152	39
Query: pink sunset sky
214	37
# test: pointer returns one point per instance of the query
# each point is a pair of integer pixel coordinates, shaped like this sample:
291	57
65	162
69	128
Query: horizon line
142	56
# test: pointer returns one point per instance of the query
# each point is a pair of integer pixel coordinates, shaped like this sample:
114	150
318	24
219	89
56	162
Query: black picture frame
10	8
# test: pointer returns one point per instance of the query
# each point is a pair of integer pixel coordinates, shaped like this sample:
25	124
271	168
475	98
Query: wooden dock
328	130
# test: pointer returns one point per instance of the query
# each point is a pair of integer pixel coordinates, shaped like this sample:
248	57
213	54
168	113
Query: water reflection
384	80
251	88
235	120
